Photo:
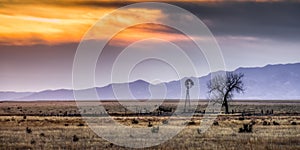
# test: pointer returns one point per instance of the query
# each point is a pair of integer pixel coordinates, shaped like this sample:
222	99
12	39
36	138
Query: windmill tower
188	84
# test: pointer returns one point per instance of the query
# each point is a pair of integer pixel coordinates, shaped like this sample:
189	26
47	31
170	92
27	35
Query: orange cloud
146	31
33	24
43	22
46	22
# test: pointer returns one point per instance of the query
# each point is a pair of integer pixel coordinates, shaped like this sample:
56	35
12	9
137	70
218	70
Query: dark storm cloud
271	20
279	20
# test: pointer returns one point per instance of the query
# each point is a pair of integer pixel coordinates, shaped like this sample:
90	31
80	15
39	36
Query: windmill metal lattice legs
187	100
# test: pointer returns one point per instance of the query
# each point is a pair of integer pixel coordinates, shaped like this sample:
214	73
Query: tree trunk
226	106
226	103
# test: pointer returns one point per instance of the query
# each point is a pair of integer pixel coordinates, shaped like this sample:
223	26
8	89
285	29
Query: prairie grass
72	132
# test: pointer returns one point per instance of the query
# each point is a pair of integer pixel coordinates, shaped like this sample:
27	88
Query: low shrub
199	131
80	124
165	121
134	121
75	138
32	142
241	118
276	123
293	123
265	123
155	129
191	123
28	130
247	128
216	123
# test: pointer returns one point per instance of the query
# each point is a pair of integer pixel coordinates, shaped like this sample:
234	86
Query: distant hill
272	82
61	94
13	95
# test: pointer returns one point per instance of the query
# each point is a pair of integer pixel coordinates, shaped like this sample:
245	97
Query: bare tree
222	87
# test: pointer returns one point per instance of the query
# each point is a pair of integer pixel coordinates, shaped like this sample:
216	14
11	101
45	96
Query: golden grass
56	132
51	133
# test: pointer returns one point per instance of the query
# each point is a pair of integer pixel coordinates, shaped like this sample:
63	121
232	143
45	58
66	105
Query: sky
38	39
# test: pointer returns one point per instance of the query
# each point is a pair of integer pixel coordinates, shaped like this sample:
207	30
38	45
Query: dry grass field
57	125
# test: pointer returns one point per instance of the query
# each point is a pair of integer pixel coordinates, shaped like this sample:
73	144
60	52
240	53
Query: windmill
188	84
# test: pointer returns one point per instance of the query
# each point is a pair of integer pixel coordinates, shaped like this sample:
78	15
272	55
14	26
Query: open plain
58	125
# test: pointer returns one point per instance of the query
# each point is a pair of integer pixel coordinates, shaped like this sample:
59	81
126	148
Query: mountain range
271	82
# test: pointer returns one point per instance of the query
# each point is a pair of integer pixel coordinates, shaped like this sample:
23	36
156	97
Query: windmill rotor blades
189	83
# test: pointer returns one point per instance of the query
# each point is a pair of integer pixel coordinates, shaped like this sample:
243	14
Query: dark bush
293	123
150	124
216	123
154	129
20	121
66	124
24	117
28	130
134	121
241	130
80	124
191	123
165	121
247	128
75	138
42	134
276	123
253	122
265	123
32	142
241	118
199	131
